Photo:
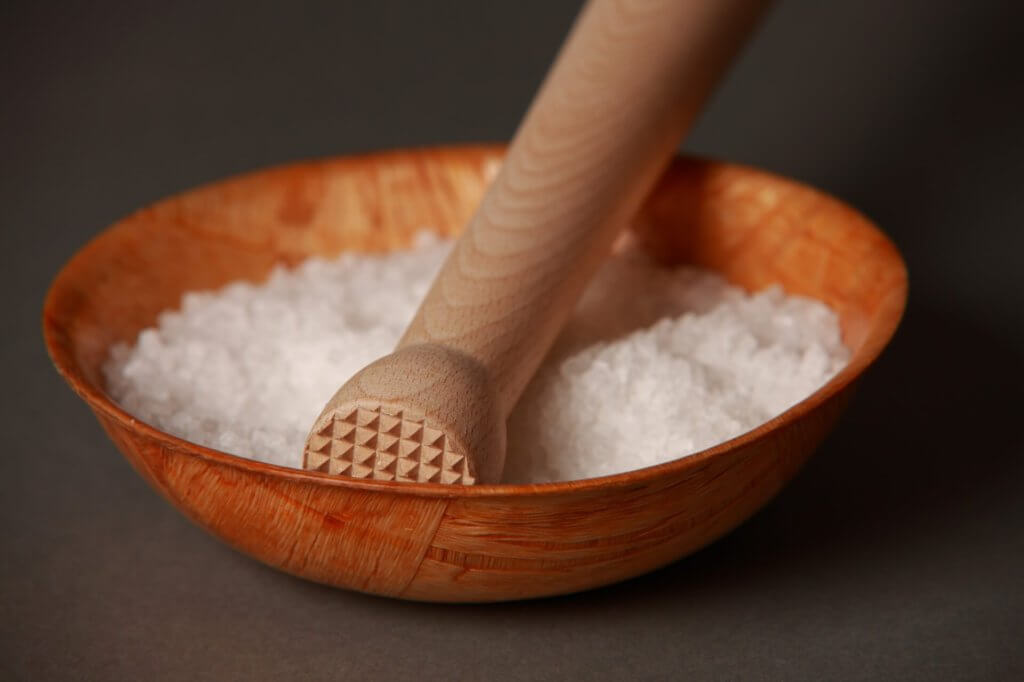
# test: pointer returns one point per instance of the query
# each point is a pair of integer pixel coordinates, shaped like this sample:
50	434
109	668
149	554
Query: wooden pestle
628	83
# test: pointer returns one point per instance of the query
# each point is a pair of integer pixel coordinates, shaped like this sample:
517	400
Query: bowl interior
755	228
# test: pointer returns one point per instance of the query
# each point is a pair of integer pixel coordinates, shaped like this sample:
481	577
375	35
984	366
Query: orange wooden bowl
490	542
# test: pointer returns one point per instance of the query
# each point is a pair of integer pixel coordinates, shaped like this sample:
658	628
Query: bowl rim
102	404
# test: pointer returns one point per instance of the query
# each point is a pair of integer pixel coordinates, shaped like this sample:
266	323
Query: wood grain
626	86
482	542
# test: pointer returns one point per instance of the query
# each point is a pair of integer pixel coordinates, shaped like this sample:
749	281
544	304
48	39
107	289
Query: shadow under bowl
489	542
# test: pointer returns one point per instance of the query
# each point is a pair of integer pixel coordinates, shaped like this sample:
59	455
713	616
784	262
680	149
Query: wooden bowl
449	543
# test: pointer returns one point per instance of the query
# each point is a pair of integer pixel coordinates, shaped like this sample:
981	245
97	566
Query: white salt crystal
656	363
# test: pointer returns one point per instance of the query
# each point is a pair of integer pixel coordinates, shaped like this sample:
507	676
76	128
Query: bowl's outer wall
495	542
474	549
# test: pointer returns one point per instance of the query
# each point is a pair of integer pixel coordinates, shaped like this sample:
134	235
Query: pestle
626	86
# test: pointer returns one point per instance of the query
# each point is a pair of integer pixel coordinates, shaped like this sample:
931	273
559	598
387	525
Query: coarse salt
656	363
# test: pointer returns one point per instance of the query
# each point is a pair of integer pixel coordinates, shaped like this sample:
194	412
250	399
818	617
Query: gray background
898	553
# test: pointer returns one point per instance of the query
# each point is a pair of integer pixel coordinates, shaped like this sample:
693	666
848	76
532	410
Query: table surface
897	553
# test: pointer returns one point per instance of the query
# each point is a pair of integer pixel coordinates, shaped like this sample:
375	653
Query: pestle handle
628	83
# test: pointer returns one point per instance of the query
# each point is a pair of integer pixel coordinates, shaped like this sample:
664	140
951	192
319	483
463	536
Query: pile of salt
655	363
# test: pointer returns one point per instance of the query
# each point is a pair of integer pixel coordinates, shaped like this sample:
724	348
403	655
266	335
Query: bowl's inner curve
755	228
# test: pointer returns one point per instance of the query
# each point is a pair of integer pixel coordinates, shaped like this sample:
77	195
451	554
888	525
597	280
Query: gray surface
896	554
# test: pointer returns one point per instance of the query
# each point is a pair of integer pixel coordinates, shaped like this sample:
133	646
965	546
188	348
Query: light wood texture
481	542
627	85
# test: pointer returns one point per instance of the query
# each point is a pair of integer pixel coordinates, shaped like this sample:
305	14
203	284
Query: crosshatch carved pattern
385	443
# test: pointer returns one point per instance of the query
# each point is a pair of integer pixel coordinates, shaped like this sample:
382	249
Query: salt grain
655	364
